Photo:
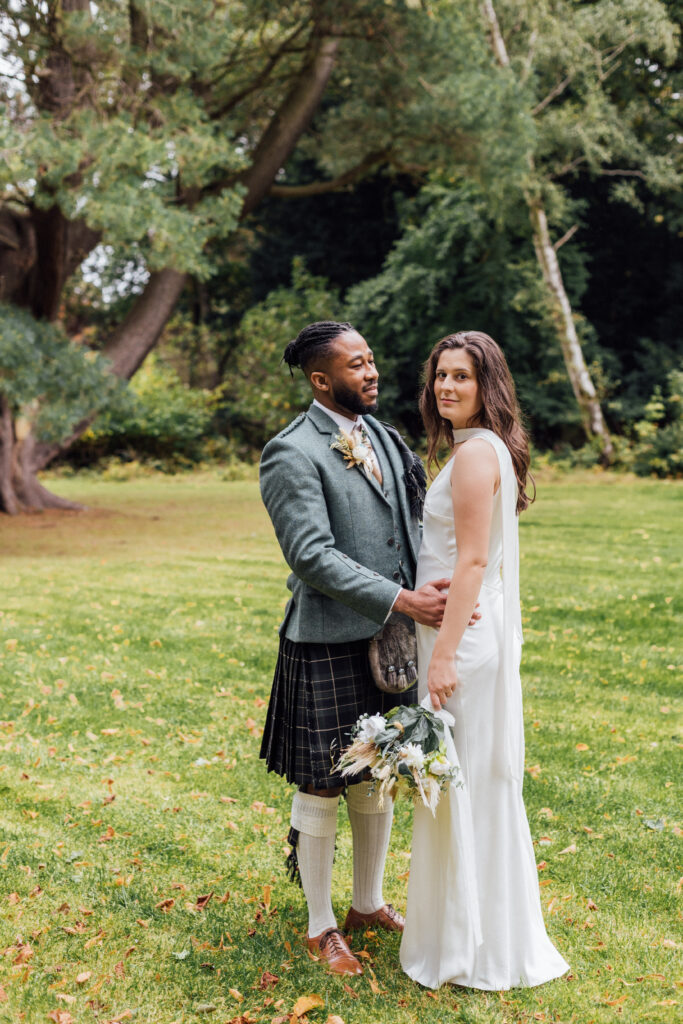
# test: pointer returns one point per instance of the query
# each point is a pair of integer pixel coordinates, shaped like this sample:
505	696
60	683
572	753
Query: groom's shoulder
292	428
294	433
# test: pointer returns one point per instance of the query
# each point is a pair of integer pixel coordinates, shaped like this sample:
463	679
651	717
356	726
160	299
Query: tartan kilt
319	692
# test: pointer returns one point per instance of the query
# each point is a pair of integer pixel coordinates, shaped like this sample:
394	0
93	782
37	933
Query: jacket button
397	575
390	542
357	565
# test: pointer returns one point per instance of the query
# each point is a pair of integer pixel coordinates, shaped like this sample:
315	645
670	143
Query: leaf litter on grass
73	738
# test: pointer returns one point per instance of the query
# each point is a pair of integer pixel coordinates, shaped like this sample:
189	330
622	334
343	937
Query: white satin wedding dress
473	914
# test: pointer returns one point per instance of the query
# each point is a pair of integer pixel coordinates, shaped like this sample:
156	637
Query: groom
348	528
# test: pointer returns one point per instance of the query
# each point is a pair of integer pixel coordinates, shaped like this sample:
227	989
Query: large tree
152	127
156	128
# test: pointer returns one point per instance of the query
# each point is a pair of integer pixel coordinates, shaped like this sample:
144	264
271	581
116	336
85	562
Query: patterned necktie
359	434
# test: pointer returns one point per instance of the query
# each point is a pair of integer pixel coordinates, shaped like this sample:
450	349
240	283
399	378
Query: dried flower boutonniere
356	452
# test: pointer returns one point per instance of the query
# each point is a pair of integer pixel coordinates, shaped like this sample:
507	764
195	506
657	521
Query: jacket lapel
391	458
326	426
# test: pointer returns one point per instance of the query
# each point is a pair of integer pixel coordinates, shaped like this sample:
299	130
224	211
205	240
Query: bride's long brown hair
499	412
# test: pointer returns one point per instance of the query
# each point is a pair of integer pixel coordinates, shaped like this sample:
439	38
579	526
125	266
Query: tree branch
565	237
571	166
260	78
556	91
497	41
618	173
289	122
317	188
611	55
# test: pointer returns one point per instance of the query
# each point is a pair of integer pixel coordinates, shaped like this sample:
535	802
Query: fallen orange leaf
25	953
306	1003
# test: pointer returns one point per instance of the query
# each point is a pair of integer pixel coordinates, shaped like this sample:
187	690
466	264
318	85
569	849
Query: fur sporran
393	654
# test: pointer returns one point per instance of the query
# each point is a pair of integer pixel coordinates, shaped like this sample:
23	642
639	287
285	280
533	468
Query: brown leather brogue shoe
386	917
331	946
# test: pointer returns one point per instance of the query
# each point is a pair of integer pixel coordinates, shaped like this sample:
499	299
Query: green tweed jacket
349	541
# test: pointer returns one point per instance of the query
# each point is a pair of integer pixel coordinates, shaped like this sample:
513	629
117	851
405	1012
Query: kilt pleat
319	691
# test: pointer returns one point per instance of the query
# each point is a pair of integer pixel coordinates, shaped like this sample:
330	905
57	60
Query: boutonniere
355	452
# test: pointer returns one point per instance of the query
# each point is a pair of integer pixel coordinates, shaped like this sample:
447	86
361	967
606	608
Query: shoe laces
392	913
334	938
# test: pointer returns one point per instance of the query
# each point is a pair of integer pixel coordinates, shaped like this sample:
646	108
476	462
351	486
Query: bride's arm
474	481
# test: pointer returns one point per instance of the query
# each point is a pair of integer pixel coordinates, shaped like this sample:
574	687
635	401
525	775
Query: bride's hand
442	680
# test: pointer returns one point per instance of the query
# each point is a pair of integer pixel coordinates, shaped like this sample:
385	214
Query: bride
474	914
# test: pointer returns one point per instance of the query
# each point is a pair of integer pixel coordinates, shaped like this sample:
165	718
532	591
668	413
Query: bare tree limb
529	59
619	173
556	91
565	237
566	168
317	188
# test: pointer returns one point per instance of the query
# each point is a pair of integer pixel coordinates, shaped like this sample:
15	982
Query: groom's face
349	380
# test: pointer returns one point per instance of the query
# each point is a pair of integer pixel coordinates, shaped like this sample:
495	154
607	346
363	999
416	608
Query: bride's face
456	390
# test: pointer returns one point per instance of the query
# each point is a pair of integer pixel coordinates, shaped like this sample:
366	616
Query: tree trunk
563	319
577	371
20	490
134	339
8	499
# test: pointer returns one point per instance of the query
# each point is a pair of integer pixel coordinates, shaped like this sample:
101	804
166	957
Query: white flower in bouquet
412	756
439	765
370	727
404	749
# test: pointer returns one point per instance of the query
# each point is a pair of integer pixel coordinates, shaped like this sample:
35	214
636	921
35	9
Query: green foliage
165	418
456	268
261	396
48	381
658	449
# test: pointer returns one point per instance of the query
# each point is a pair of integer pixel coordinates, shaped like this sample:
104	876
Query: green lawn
137	642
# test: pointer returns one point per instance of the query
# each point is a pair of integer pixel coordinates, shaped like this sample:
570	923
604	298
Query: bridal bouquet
403	749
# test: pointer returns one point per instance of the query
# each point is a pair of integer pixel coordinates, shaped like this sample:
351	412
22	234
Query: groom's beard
352	401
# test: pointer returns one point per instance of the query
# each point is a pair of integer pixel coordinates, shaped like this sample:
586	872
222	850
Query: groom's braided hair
315	340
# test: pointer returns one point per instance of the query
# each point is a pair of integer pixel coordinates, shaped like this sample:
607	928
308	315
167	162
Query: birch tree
566	58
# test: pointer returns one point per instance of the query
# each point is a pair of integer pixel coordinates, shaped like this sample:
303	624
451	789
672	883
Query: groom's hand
425	605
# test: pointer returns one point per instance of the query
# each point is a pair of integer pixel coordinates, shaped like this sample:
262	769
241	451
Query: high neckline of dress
462	433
